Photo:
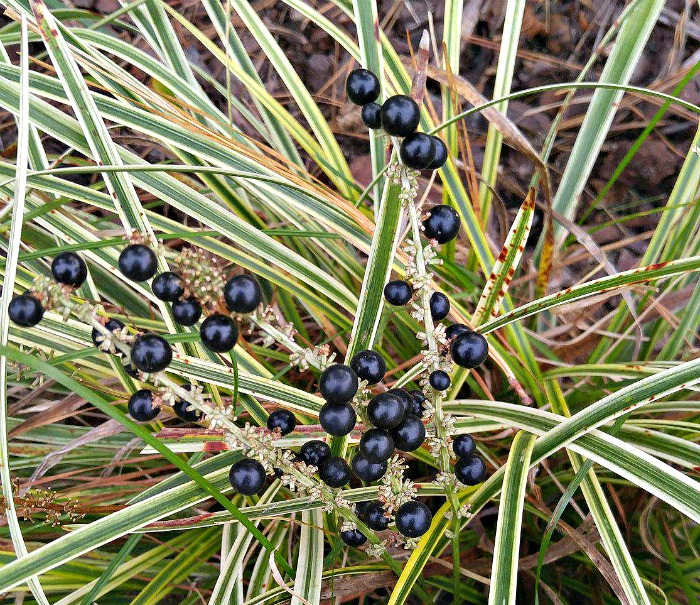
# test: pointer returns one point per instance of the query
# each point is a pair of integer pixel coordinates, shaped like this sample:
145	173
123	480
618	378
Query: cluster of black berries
399	117
470	469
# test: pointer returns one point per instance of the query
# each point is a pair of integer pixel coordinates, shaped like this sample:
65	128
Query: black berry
439	306
400	115
362	86
353	537
413	519
367	471
334	472
471	470
439	380
369	366
68	268
456	330
112	325
463	446
182	411
418	403
242	294
167	286
25	310
417	151
151	353
141	406
374	517
314	452
442	224
469	349
338	383
385	410
371	115
218	333
138	262
439	153
405	398
337	419
377	445
283	420
409	435
398	292
247	476
187	311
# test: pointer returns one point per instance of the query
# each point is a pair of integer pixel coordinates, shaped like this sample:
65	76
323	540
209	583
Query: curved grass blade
307	583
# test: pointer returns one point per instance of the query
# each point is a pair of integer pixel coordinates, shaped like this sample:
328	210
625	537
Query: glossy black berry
442	224
439	306
167	286
377	445
455	330
218	333
25	310
471	470
138	262
469	350
334	472
439	153
398	292
362	86
374	517
68	268
353	537
372	115
182	411
417	150
439	380
409	435
385	410
337	419
247	476
405	398
338	383
141	406
367	471
418	403
400	116
283	420
369	366
187	311
463	446
151	353
242	294
413	519
113	325
314	452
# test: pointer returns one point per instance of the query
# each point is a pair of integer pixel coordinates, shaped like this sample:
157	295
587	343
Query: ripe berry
463	445
362	86
369	366
385	410
409	435
338	383
413	519
242	294
141	406
113	325
417	151
456	330
371	115
442	224
400	116
367	471
374	517
439	153
398	292
439	380
218	333
283	420
469	350
167	286
377	445
417	404
180	407
314	452
405	398
151	353
247	476
334	472
138	262
68	268
25	310
187	312
337	419
439	306
353	537
471	470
